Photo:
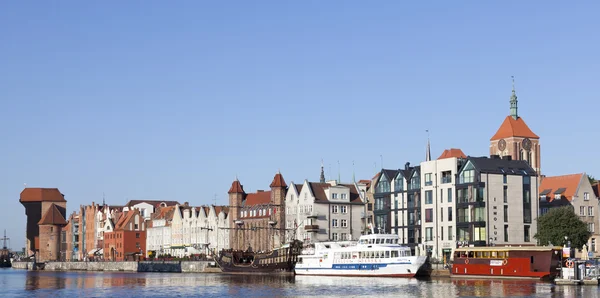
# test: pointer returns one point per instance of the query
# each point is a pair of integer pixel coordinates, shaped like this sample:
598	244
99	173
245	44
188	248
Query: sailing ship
373	255
5	254
279	260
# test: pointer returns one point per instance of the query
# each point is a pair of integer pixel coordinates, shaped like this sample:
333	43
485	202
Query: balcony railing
311	228
447	179
461	219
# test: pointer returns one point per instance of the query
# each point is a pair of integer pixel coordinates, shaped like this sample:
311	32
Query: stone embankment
144	266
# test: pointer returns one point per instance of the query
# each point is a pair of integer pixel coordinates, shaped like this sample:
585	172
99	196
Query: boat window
478	254
387	254
486	254
506	254
470	254
394	253
500	254
494	254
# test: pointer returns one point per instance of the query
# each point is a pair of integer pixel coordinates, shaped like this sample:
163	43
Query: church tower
515	139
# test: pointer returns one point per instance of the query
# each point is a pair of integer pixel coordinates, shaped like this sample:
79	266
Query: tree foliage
592	179
558	223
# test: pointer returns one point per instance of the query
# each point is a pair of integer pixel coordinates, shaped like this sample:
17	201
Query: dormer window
399	183
557	196
383	185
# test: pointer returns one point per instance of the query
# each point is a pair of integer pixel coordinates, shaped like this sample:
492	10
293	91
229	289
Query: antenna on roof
339	174
381	157
103	200
215	199
25	184
428	152
353	173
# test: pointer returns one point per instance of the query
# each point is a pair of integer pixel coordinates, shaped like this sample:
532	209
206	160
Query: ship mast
4	239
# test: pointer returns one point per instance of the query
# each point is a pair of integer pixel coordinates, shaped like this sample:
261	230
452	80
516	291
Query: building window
505	233
441	214
343	209
441	195
479	234
450	232
343	196
334	208
582	210
334	223
383	185
379	203
137	235
415	181
428	215
586	196
449	195
428	234
505	213
504	179
505	194
135	226
447	177
449	213
429	197
467	176
334	236
344	223
544	210
399	183
590	211
334	196
442	233
343	236
428	179
526	234
591	227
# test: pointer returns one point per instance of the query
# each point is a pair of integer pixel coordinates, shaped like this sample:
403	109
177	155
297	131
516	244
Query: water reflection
107	284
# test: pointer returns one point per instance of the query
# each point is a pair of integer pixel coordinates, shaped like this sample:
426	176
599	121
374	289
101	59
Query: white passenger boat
372	255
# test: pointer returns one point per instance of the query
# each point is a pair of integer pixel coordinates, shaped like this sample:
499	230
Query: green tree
592	179
558	223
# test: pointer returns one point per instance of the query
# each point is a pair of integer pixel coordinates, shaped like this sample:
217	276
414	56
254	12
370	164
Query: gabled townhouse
126	240
257	220
325	211
397	204
147	207
184	231
495	202
438	207
577	192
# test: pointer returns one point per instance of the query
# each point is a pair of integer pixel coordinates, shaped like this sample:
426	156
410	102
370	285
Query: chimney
260	190
407	165
186	204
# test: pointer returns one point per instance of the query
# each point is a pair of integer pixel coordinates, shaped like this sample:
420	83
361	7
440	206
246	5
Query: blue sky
172	100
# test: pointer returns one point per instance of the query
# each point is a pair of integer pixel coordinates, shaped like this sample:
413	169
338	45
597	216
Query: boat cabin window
387	253
486	254
494	254
394	253
501	254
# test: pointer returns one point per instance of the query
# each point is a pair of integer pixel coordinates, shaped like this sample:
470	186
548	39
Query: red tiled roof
318	190
596	188
569	182
452	152
278	181
124	220
261	197
219	209
236	187
41	195
514	128
52	216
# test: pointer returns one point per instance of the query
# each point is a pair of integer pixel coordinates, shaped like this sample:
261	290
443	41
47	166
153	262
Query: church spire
513	101
322	180
428	150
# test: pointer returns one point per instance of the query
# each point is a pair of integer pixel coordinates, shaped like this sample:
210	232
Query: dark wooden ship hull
279	261
5	259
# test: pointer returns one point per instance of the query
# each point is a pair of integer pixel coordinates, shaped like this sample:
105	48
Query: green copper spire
513	101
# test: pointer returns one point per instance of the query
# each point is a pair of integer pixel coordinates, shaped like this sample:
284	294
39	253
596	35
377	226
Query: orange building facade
127	241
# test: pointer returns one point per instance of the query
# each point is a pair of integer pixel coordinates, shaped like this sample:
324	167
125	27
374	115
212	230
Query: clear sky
171	100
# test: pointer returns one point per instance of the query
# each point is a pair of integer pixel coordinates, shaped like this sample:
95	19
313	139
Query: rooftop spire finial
513	101
322	178
428	150
353	173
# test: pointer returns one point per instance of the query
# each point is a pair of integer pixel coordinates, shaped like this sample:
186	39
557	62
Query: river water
22	283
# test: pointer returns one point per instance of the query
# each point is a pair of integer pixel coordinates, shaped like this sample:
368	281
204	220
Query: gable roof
500	166
219	209
390	174
52	216
596	188
41	195
318	190
452	152
565	185
155	203
299	187
124	220
514	128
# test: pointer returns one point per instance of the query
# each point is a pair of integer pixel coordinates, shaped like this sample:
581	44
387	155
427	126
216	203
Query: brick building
257	219
45	209
127	241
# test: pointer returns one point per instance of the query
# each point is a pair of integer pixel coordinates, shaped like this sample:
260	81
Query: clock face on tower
527	144
501	145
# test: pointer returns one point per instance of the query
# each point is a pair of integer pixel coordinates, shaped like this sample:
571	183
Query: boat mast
4	239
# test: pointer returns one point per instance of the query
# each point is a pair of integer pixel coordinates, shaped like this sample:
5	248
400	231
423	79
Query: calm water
21	283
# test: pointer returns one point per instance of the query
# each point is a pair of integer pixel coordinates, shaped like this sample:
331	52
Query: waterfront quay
142	266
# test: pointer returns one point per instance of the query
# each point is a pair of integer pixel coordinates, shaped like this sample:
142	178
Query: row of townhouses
434	207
